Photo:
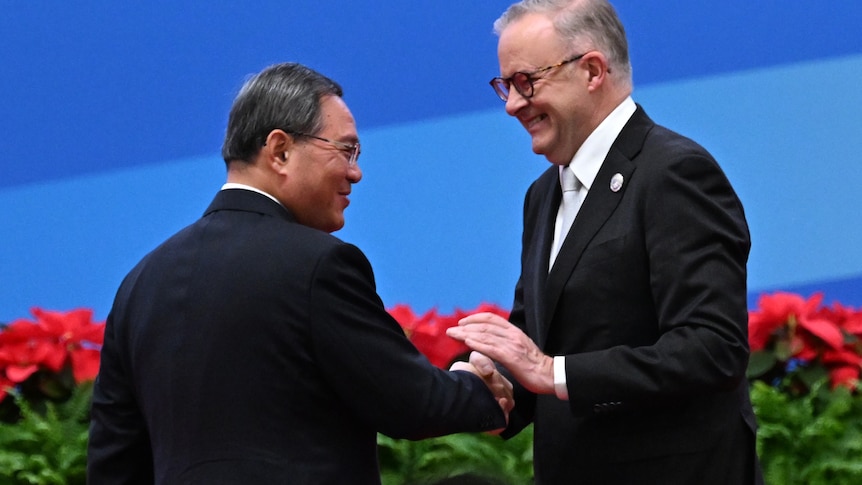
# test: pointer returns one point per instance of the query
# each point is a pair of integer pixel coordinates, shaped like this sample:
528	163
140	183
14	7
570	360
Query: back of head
583	23
285	96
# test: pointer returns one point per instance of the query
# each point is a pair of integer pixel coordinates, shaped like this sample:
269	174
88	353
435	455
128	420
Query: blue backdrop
114	113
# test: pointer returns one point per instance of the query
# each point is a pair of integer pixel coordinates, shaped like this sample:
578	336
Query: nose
515	102
354	173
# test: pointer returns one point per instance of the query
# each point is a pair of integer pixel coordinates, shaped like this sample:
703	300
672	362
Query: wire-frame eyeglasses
354	149
523	81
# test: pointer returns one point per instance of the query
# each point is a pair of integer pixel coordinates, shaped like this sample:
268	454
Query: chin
538	149
541	146
552	156
337	225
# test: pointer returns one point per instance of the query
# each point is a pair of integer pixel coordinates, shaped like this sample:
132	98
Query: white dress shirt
234	185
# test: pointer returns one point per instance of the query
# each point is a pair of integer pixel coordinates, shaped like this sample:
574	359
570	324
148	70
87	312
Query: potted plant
46	370
804	370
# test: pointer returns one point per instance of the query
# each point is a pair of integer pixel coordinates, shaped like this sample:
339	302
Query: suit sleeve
525	401
696	242
374	368
119	445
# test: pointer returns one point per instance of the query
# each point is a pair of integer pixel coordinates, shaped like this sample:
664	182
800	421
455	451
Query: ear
597	68
277	149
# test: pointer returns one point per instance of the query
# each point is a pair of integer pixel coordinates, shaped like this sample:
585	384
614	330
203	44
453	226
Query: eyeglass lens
521	81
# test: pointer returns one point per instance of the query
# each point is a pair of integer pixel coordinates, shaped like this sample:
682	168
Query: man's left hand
505	343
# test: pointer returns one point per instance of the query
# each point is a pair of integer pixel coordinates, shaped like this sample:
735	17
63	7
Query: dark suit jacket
647	301
251	349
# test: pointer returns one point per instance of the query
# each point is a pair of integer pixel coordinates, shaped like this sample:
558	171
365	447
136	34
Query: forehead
529	43
338	122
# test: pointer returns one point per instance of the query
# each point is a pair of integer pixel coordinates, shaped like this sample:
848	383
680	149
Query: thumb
482	363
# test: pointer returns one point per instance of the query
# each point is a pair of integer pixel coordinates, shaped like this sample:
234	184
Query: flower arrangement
46	370
805	368
797	341
46	358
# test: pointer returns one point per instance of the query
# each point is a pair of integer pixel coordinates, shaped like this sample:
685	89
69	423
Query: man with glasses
628	333
252	347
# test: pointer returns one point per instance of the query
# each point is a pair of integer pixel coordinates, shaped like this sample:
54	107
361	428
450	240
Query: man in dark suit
251	347
629	340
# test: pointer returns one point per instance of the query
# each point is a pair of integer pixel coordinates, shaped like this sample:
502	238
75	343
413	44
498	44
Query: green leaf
811	439
49	446
509	462
811	375
760	363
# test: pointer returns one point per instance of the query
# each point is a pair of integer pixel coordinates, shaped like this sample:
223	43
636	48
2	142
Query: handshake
485	368
494	339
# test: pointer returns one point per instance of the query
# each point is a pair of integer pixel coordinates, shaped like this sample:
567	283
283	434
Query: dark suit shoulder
260	240
642	138
672	144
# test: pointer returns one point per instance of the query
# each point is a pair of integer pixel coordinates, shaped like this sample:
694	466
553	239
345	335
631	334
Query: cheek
327	193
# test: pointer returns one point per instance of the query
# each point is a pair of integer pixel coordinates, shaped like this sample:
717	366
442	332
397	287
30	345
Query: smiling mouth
532	122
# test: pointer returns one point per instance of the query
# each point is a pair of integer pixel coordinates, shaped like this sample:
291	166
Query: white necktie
569	206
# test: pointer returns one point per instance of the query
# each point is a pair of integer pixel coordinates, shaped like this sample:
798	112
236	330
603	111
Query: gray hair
581	22
284	96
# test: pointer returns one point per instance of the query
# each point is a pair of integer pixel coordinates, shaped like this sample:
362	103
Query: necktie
569	206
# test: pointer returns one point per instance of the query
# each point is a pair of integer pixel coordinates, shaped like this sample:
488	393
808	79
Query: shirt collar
590	156
234	185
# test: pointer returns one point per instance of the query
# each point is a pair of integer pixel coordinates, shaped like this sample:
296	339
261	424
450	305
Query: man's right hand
485	368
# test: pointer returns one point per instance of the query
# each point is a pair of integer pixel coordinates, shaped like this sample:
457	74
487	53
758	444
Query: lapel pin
616	182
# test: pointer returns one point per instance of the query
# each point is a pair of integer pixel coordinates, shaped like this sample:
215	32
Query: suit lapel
597	208
543	237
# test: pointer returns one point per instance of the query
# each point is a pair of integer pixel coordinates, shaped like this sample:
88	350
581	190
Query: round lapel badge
616	182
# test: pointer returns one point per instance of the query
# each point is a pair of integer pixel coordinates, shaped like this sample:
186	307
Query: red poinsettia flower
844	356
774	311
849	320
408	320
440	349
76	336
845	375
25	348
797	314
793	328
50	342
428	332
825	330
769	317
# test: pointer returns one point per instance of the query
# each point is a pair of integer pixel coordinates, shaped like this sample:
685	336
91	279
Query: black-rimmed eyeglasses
523	81
353	149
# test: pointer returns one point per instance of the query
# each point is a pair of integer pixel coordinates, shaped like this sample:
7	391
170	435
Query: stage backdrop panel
113	117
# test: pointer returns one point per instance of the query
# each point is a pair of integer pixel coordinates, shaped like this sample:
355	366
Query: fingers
504	395
489	318
494	338
486	328
483	364
457	333
499	340
500	387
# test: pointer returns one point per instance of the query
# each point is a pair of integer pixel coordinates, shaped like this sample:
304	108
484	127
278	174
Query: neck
248	174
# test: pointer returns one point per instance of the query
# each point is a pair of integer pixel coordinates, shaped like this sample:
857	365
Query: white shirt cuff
560	388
